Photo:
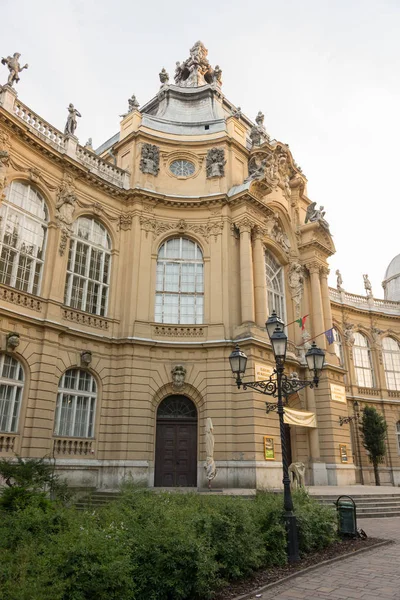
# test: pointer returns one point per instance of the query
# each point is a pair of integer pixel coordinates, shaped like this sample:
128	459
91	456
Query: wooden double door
176	450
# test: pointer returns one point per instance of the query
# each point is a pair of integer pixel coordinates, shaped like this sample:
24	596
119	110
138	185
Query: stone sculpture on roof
315	215
258	134
164	77
14	68
133	103
367	286
196	70
215	162
71	124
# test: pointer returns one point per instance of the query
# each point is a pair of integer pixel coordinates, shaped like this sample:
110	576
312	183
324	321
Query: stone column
246	271
316	303
260	283
326	304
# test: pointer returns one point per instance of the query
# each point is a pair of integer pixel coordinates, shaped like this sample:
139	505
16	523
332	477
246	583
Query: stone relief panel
271	168
296	284
150	159
215	162
65	209
156	227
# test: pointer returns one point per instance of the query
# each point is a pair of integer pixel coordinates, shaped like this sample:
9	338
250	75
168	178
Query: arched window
23	229
180	286
362	361
338	346
275	285
11	387
76	404
88	271
391	362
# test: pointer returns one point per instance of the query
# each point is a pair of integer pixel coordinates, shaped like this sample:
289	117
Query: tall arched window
275	285
23	229
88	271
338	346
362	361
391	362
11	387
76	404
180	286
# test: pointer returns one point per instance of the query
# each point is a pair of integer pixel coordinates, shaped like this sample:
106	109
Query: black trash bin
347	516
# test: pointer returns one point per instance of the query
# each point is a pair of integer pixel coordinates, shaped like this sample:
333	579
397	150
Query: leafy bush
147	545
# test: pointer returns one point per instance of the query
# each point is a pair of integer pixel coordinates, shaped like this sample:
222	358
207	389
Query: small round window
182	168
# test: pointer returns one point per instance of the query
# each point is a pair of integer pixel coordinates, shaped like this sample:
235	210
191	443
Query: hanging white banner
299	417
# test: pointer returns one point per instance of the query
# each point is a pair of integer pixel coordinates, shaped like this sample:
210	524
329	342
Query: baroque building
128	272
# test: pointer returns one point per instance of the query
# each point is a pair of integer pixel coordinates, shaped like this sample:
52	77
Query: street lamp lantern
238	362
315	360
280	386
279	343
272	323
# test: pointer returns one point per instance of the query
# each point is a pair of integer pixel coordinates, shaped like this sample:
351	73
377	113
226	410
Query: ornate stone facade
150	159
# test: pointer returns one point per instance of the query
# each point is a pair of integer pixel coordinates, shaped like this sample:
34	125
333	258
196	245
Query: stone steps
370	506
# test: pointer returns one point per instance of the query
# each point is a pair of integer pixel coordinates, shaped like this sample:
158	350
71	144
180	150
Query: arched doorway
176	443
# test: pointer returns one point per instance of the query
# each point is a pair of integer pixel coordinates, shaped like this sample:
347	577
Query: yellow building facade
128	273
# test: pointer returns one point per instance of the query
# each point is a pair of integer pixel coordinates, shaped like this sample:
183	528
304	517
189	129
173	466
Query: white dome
391	283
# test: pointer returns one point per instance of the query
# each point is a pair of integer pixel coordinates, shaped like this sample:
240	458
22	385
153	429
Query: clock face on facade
182	168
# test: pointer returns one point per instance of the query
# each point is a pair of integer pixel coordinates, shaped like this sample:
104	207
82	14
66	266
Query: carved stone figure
89	144
297	475
281	238
367	286
236	112
315	215
215	162
348	333
296	282
376	336
283	171
86	358
304	347
196	70
4	163
260	119
339	281
150	159
14	68
72	123
164	77
178	377
257	134
211	470
65	209
12	340
133	103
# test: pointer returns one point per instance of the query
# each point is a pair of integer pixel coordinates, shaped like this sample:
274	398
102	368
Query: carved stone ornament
178	374
164	77
65	209
14	68
72	123
215	162
4	163
296	283
86	358
368	286
150	159
271	168
151	225
258	135
133	103
125	222
12	340
339	281
315	215
196	70
348	333
273	230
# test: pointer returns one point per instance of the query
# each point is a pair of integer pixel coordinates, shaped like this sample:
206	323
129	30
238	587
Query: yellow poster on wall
262	371
338	392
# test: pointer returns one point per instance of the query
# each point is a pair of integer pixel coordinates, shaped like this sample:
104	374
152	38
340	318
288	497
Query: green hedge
147	545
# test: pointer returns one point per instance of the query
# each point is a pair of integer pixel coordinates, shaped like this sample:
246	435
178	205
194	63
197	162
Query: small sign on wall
338	392
269	448
262	372
343	453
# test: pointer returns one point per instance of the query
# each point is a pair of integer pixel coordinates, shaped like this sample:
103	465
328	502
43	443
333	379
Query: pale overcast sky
324	72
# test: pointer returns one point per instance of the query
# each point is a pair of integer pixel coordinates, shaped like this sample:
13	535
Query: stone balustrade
7	443
74	447
67	144
364	302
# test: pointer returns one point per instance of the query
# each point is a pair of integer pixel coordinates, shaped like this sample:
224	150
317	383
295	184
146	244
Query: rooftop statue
196	70
164	77
14	67
72	123
367	286
315	215
339	281
258	134
133	103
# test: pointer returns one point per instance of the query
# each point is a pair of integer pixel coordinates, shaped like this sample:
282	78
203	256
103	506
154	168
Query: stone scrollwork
270	169
156	227
215	162
150	159
196	70
65	209
125	222
296	283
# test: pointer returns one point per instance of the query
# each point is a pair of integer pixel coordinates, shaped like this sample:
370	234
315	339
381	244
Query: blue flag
329	336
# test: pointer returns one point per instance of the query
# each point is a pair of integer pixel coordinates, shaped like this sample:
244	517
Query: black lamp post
279	386
355	418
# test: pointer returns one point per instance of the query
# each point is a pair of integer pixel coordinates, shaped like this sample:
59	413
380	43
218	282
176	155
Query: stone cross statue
72	123
14	67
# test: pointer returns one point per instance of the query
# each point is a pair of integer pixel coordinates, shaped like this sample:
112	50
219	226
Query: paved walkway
373	575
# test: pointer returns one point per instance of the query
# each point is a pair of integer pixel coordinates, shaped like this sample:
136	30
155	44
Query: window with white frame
11	388
275	285
338	346
23	229
398	435
362	361
180	282
391	362
89	264
76	404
